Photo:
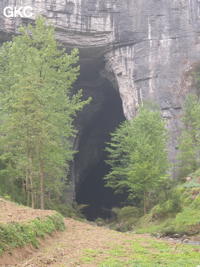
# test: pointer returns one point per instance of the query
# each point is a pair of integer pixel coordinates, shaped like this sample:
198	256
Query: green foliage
37	113
179	214
14	235
168	208
67	210
100	222
137	155
125	218
126	212
188	221
189	156
196	203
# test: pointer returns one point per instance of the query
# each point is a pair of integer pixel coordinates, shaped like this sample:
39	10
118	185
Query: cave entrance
95	124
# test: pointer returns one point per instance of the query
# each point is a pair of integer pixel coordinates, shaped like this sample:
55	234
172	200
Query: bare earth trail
70	247
86	245
83	244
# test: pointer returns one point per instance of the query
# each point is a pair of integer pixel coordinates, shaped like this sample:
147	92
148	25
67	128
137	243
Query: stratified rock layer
148	46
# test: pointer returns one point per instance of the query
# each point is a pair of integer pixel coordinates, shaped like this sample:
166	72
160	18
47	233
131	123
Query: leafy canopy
137	154
189	155
37	110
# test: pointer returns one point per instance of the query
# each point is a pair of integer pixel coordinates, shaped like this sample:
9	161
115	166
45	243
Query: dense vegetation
138	157
139	168
189	156
179	212
37	113
179	215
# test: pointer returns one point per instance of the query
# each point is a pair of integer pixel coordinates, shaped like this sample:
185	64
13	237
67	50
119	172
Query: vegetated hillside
87	245
82	244
180	214
21	226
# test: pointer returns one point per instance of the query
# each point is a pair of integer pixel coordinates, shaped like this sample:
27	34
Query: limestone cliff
147	46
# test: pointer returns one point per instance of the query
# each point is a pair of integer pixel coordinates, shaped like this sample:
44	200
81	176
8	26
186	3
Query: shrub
126	218
14	235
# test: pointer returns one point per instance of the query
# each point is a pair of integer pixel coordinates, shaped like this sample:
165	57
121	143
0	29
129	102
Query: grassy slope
180	214
88	246
26	228
143	252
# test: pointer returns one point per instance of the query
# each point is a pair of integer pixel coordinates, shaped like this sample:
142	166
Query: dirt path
70	247
86	245
12	212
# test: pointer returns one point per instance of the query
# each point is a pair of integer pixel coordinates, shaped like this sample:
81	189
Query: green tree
189	155
37	111
137	155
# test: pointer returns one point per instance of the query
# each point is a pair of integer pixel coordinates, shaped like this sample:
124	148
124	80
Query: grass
186	222
144	252
89	255
14	235
180	214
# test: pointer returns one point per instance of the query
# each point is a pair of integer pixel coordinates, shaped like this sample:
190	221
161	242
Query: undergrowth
180	214
14	235
177	212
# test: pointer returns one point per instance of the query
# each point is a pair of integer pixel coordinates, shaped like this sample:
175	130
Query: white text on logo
14	12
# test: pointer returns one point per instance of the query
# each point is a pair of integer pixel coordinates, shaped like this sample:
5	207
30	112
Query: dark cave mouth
94	194
90	189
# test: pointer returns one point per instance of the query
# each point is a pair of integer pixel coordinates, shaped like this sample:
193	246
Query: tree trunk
32	193
27	189
31	183
42	205
145	203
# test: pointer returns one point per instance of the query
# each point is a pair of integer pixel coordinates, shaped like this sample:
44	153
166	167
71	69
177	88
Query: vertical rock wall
148	46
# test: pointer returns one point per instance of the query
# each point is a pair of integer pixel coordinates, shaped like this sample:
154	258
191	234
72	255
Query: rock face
147	47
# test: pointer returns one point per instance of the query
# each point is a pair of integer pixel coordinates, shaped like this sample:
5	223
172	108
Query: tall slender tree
137	155
189	155
37	110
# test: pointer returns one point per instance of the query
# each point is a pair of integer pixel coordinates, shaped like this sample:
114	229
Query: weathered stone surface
148	46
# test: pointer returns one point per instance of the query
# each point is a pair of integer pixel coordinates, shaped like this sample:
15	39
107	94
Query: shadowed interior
95	123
